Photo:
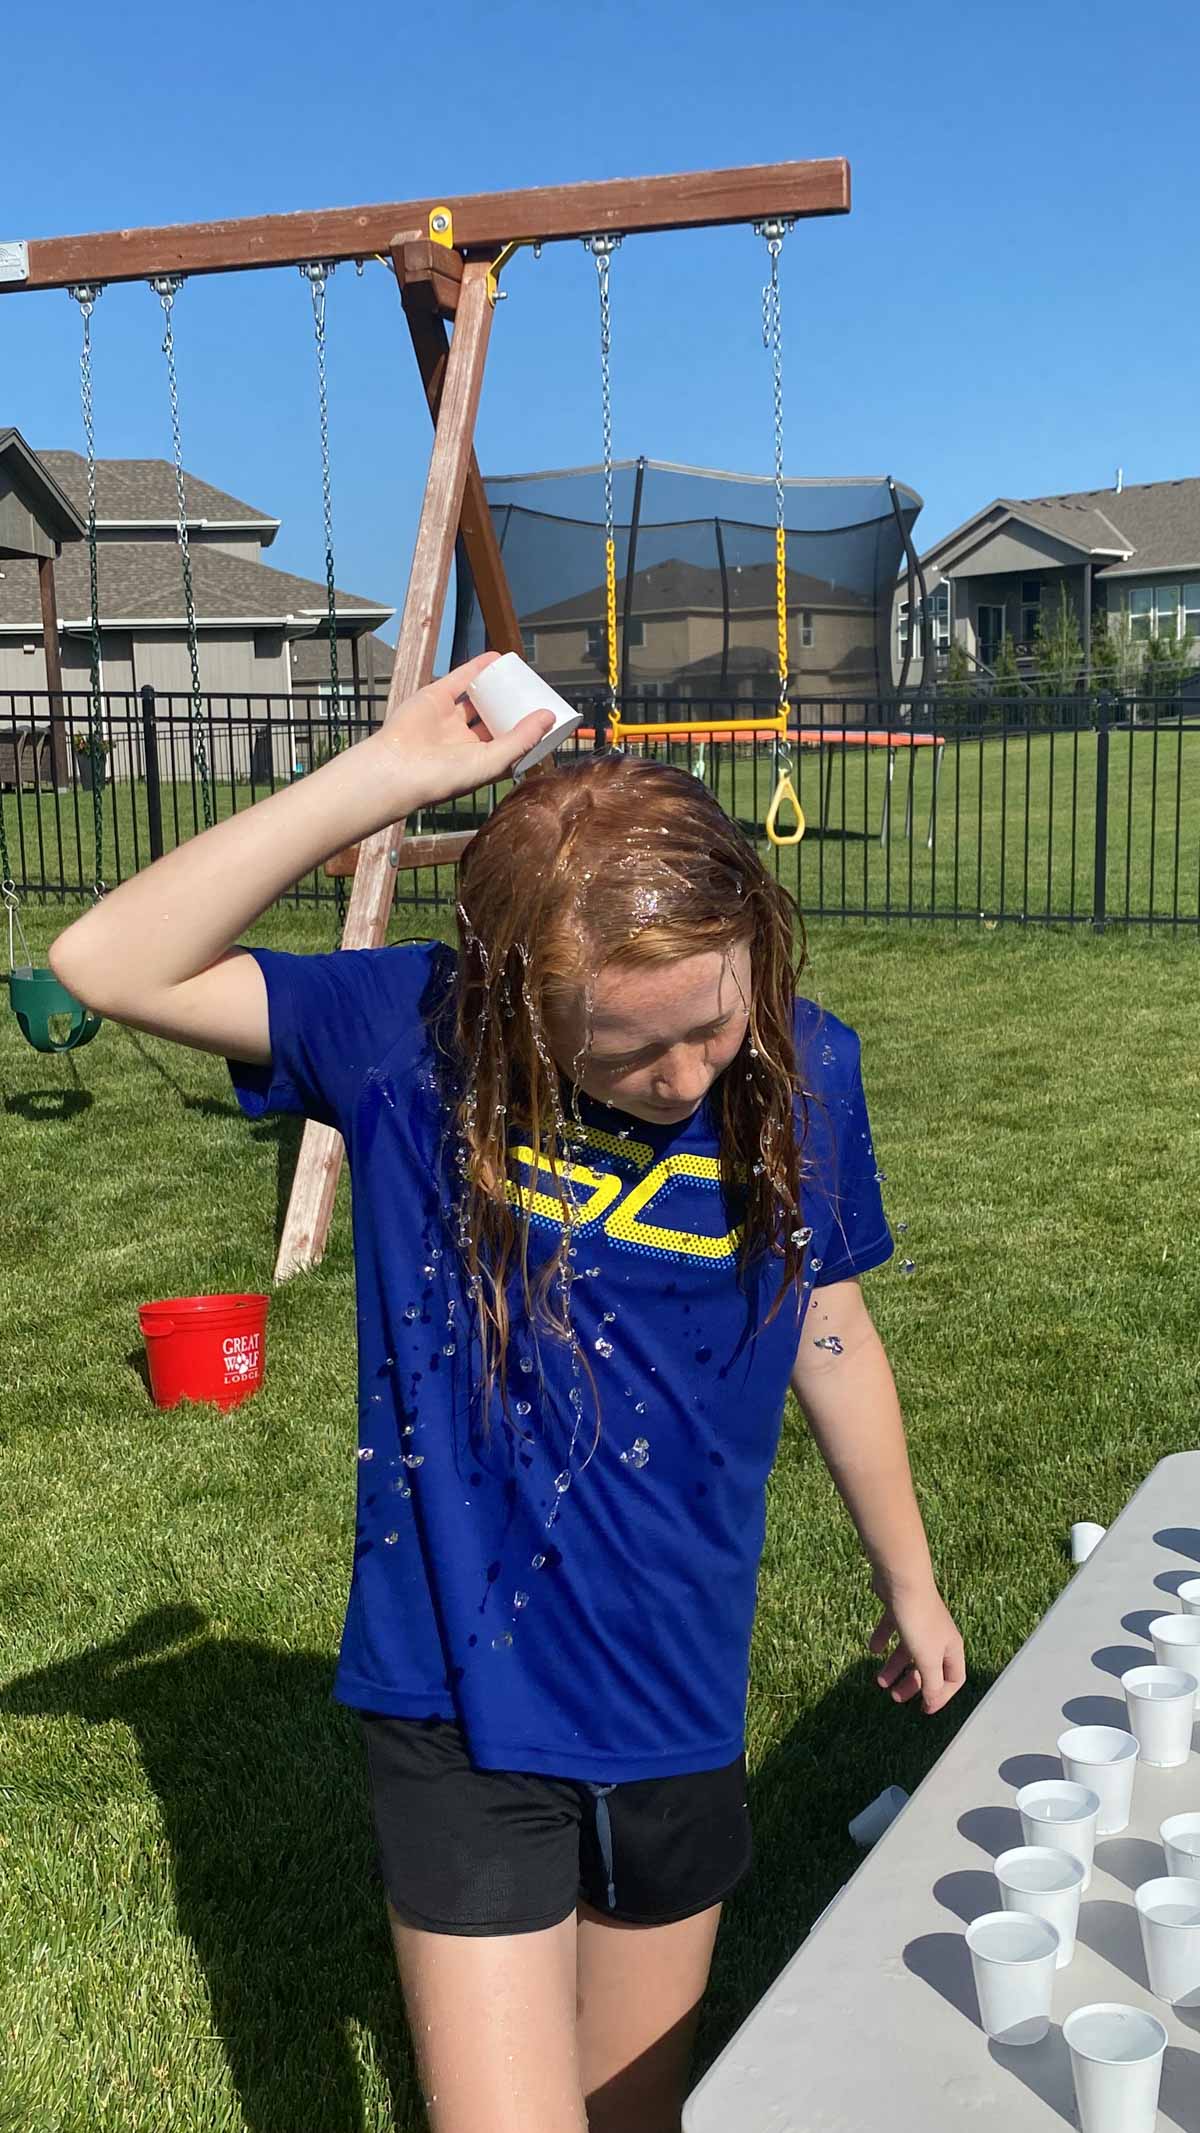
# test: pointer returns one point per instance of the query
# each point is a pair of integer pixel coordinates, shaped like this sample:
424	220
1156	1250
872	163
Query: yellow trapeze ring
785	796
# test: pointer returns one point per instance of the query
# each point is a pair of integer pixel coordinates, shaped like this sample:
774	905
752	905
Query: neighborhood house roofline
208	525
305	623
981	525
58	514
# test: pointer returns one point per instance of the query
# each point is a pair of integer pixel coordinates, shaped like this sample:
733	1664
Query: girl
613	1188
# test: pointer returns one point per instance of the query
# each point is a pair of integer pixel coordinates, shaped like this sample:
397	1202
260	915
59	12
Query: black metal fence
1081	810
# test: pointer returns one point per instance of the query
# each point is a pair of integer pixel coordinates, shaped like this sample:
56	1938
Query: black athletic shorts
471	1851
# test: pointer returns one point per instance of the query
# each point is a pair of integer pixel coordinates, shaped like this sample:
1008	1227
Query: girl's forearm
184	912
853	1412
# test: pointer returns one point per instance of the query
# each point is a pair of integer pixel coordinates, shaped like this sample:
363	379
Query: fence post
150	758
1100	860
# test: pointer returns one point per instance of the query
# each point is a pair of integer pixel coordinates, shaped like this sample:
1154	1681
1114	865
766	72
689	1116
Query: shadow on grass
43	1107
830	1764
282	1130
262	1791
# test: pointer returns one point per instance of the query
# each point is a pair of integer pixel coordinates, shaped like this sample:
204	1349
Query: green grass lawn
1013	825
192	1936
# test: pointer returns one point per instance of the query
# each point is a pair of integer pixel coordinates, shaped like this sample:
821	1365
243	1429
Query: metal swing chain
86	295
774	231
316	273
602	248
166	287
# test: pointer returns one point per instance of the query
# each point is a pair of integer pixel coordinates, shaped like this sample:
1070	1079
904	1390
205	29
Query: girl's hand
928	1659
441	748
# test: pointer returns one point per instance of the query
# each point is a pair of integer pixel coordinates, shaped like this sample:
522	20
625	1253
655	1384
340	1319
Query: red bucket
205	1348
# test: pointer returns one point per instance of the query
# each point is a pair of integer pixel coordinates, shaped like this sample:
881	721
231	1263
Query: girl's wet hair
602	862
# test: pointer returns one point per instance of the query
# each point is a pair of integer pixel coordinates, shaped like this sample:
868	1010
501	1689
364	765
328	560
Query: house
693	634
1129	554
261	632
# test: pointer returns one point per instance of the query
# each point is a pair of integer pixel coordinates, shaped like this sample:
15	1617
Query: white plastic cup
1188	1596
1169	1917
1116	2065
1161	1701
1105	1759
507	691
868	1827
1179	1836
1062	1817
1176	1640
1013	1959
1041	1883
1085	1536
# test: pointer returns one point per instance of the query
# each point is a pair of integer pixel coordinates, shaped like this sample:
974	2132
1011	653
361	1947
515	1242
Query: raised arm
159	952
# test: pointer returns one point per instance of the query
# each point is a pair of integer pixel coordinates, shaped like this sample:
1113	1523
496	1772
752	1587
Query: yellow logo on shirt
619	1200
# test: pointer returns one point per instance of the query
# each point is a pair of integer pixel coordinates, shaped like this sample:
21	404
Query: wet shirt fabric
580	1603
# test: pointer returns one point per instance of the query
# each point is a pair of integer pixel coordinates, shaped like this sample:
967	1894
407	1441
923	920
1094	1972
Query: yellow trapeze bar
671	729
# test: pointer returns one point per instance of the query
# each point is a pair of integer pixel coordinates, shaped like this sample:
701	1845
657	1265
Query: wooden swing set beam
482	222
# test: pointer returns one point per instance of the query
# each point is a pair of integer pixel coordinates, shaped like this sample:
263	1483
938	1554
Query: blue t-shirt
582	1607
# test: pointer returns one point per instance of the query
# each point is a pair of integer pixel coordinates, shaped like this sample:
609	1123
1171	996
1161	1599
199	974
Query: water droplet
575	1396
816	1265
604	1348
526	1364
523	1407
501	1644
407	1430
901	1229
538	1563
592	1272
609	1318
753	1053
827	1056
562	1483
831	1342
758	1169
364	1453
449	1347
638	1453
520	1599
414	1459
801	1236
410	1312
704	1355
881	1177
405	1492
377	1399
428	1271
908	1266
390	1539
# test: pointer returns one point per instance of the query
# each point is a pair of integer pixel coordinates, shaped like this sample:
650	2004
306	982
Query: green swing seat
36	997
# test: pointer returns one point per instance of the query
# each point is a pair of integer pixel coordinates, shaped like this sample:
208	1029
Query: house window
806	629
597	638
1141	613
990	631
1191	609
1166	612
1031	608
902	626
938	610
529	645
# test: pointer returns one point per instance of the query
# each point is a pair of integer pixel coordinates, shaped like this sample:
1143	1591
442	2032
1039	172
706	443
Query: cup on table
1116	2065
1105	1759
1013	1959
1169	1919
1161	1701
1040	1883
1086	1535
1061	1816
1179	1836
1188	1596
1176	1640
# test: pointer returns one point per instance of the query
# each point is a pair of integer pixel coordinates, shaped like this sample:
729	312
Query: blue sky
1011	308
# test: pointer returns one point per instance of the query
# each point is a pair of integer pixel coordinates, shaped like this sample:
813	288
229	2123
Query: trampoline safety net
696	585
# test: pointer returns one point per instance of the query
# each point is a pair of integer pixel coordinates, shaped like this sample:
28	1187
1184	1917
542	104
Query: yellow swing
785	800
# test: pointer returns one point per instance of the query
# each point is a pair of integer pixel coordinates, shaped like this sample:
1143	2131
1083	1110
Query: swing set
447	257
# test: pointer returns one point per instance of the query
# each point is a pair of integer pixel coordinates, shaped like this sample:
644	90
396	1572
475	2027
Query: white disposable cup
868	1826
1176	1640
1169	1917
507	691
1188	1596
1084	1537
1161	1701
1105	1759
1179	1836
1062	1817
1013	1958
1041	1883
1116	2065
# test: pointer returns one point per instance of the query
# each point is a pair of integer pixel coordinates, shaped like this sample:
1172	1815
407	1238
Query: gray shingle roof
141	581
38	487
1158	520
144	489
676	587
